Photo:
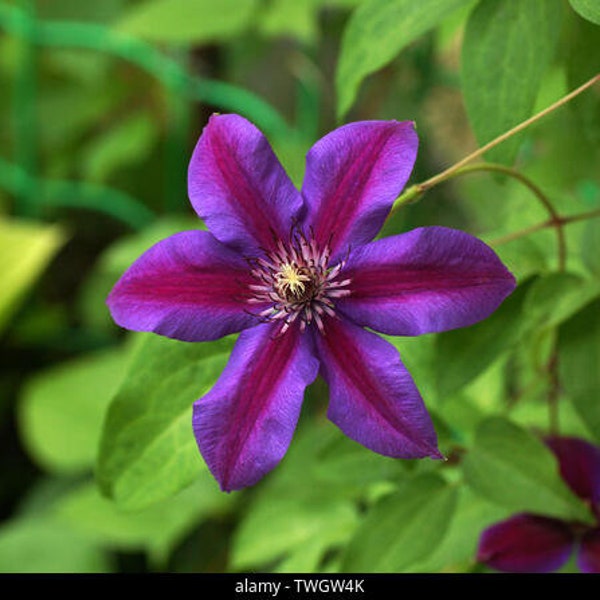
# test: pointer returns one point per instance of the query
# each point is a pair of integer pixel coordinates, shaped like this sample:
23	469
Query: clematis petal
244	425
588	558
188	287
353	175
237	185
526	543
373	398
579	463
427	280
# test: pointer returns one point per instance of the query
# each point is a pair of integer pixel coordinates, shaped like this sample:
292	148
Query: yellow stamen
291	279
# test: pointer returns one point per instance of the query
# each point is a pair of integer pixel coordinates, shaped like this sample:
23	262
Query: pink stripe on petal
373	398
189	287
427	280
244	425
526	544
238	186
353	175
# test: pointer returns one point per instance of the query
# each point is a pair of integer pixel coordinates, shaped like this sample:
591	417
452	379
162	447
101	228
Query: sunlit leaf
26	248
506	50
590	246
278	524
588	9
513	468
187	21
44	545
148	451
291	17
305	558
458	548
403	528
62	410
377	31
156	530
345	463
523	257
579	363
582	64
555	297
76	10
124	144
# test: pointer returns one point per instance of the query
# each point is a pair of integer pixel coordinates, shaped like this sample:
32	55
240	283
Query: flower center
296	282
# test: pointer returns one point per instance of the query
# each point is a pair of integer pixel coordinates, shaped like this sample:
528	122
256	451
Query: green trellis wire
22	178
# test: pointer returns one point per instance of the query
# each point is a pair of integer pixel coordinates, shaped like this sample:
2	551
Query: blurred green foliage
104	102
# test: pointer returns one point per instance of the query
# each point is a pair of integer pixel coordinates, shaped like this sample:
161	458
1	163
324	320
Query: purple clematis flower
538	544
298	273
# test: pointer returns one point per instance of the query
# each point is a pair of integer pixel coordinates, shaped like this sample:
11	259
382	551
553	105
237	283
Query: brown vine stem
515	235
417	190
555	218
449	172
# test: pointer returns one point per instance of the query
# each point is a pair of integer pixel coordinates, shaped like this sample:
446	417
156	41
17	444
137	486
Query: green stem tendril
148	58
562	221
554	218
414	192
24	108
444	175
56	194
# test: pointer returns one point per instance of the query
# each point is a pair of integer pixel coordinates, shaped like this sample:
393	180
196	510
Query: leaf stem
515	235
451	170
412	193
555	218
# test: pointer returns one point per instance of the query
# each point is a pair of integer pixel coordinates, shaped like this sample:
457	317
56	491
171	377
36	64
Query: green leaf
554	298
462	354
524	257
590	246
402	528
304	559
506	50
349	465
44	545
75	10
514	469
291	17
377	31
287	516
582	63
279	523
156	530
126	143
588	9
457	551
25	251
579	364
188	21
148	451
62	409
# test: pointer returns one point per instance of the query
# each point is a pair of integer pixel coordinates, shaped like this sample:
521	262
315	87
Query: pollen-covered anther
294	281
